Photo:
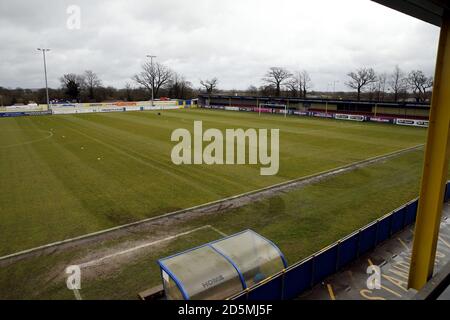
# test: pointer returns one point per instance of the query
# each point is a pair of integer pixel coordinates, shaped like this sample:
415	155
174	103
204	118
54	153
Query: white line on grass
215	202
218	231
149	244
28	142
77	294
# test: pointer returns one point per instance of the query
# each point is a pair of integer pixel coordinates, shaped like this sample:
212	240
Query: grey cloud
233	40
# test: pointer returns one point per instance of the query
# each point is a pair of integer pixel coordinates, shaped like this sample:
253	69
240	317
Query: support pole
435	168
153	77
44	50
153	81
46	82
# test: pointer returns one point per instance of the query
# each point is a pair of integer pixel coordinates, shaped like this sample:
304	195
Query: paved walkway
393	257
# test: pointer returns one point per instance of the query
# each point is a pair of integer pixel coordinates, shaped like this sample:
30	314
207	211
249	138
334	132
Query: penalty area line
279	186
218	231
145	245
77	294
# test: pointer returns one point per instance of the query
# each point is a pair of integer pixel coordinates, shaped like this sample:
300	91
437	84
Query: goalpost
272	106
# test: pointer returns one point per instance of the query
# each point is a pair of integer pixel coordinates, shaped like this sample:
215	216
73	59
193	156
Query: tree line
153	76
365	84
398	84
88	87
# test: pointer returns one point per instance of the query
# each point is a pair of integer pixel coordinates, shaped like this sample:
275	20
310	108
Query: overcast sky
235	41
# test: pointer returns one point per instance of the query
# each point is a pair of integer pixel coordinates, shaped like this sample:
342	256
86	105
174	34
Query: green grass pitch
65	176
300	222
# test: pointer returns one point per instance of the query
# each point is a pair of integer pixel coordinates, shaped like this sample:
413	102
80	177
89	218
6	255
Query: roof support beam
430	11
435	168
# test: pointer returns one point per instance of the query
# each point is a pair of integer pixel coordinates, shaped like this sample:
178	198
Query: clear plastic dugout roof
222	268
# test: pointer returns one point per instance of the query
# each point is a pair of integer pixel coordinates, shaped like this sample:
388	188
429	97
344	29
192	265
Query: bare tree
252	90
92	82
179	87
277	77
128	92
294	85
397	82
305	82
265	90
154	76
381	86
371	91
72	85
419	84
210	85
360	79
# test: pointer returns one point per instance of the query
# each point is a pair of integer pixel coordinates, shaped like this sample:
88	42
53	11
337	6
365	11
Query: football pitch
66	176
69	175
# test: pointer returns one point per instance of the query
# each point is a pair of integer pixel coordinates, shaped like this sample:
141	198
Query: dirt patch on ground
124	237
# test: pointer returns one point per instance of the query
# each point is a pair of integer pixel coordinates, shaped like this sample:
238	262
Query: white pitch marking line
218	231
99	260
249	193
28	142
77	294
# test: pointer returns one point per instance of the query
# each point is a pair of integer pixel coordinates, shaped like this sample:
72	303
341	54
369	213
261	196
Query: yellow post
435	168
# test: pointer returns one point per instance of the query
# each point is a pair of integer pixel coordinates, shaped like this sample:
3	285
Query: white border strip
145	245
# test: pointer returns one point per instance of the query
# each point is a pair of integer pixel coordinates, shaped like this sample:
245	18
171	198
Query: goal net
268	107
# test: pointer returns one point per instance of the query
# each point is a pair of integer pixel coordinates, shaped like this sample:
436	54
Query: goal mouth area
272	108
272	105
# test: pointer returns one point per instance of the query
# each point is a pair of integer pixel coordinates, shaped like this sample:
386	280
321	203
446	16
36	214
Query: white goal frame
272	105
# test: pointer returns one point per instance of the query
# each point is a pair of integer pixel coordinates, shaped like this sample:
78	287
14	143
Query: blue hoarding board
24	113
11	114
348	250
384	229
298	279
367	238
411	213
447	192
312	271
325	263
398	218
271	290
